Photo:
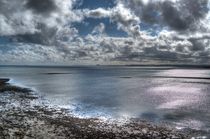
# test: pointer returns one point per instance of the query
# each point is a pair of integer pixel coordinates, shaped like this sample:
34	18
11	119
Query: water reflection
123	92
185	104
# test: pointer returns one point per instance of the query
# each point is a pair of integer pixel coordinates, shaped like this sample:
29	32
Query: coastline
23	115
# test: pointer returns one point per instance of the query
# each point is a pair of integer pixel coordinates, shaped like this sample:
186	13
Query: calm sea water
177	96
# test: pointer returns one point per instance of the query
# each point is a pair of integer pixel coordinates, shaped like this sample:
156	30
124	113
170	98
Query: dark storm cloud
41	6
46	34
36	21
184	15
179	15
173	17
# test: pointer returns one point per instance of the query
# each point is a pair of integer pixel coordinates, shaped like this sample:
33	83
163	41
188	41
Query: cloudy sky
104	31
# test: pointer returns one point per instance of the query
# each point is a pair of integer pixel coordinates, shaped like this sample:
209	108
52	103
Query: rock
144	131
4	80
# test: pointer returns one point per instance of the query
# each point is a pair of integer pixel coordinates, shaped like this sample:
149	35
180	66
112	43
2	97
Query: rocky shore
24	116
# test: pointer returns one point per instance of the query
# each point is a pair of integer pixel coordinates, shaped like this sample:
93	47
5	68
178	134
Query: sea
179	96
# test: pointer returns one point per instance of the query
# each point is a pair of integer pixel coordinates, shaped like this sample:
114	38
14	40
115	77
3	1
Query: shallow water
167	94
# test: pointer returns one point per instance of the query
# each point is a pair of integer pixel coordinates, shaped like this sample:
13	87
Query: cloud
102	49
125	18
99	30
185	14
98	13
176	14
36	21
40	6
42	31
28	53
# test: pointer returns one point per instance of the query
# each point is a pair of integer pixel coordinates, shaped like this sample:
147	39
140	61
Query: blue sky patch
153	30
87	26
93	4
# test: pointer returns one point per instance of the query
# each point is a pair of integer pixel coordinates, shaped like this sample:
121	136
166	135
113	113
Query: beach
23	115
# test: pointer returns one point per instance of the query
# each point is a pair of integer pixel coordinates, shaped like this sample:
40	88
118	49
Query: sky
69	32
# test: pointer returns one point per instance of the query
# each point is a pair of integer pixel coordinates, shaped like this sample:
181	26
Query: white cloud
59	42
17	18
28	54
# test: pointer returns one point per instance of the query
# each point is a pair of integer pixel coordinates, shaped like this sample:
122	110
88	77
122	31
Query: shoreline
4	80
23	115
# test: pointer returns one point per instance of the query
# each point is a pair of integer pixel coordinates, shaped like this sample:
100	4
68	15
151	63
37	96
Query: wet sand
24	115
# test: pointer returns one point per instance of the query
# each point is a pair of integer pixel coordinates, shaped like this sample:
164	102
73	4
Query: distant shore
23	115
161	66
